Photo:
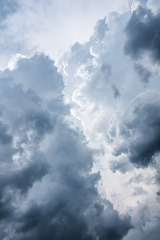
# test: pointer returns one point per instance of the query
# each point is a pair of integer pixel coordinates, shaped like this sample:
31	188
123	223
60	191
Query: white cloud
93	73
50	26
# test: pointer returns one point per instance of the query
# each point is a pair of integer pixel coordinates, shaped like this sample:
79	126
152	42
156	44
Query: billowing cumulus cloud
116	100
47	188
79	143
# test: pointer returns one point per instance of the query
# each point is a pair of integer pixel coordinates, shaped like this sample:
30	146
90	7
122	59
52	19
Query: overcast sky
79	120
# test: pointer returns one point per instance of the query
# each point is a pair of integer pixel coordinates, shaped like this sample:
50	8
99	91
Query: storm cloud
143	34
79	138
47	188
141	134
144	127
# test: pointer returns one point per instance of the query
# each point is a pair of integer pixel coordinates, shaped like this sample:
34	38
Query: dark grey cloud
158	193
143	34
146	129
47	190
61	220
5	138
143	125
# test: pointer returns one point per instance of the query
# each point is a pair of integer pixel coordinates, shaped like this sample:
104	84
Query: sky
79	120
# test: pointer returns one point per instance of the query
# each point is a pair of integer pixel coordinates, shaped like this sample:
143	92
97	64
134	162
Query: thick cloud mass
79	154
143	128
143	32
47	189
120	114
146	128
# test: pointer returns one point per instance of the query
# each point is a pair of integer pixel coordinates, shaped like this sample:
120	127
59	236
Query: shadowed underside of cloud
145	128
143	32
142	129
47	190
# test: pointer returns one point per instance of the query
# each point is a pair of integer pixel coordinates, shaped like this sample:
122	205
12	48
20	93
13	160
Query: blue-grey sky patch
143	73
